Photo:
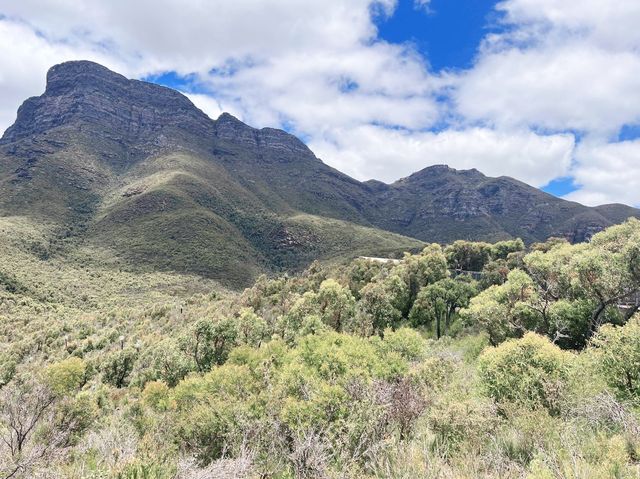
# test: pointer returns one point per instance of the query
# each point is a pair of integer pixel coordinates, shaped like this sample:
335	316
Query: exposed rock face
441	203
87	95
229	128
127	120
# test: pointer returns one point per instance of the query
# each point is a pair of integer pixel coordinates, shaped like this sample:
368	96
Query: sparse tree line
370	369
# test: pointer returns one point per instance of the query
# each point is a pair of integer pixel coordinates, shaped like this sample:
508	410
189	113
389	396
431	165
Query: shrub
66	376
465	420
530	371
156	395
209	342
435	372
617	354
117	368
405	341
166	362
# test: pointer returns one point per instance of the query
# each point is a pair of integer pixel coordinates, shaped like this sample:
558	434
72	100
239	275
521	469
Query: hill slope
137	171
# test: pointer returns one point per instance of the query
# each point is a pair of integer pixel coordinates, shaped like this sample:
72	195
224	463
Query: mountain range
136	174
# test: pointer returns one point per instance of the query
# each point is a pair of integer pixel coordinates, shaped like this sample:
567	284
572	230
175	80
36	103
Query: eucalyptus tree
440	301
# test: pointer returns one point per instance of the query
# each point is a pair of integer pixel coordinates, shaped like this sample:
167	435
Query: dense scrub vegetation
469	360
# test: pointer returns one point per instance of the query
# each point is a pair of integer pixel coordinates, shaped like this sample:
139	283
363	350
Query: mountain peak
228	127
74	74
436	172
86	96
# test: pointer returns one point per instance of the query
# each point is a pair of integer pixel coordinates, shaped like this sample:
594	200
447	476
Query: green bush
617	354
117	368
530	371
156	395
66	376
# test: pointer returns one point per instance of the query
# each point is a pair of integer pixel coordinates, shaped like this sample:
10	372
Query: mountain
132	173
442	204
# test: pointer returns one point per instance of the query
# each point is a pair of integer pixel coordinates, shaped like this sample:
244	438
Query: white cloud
422	4
207	104
193	35
564	66
608	173
612	25
276	61
372	152
558	87
25	58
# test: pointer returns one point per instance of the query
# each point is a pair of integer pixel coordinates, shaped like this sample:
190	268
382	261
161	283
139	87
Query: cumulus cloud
395	153
25	58
611	25
607	173
569	86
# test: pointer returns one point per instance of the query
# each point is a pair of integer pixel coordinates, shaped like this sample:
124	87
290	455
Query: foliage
529	371
440	301
504	311
209	342
117	367
617	354
329	372
66	376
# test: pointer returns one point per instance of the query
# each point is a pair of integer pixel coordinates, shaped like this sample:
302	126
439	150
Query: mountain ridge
136	169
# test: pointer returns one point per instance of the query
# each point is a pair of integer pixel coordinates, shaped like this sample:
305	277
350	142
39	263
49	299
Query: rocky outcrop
440	202
85	95
231	129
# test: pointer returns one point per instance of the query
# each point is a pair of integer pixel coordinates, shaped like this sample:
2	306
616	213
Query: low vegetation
465	361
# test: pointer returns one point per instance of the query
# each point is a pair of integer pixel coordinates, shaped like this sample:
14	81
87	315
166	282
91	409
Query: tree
549	244
290	324
362	272
118	366
603	277
505	311
398	292
502	249
439	302
549	273
33	429
252	329
336	305
168	363
209	342
467	255
376	307
494	272
422	269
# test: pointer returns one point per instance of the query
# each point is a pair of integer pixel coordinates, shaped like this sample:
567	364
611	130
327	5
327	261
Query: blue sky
545	91
447	32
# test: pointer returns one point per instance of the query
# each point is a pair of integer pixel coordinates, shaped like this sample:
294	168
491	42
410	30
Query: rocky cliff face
85	95
440	202
229	128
